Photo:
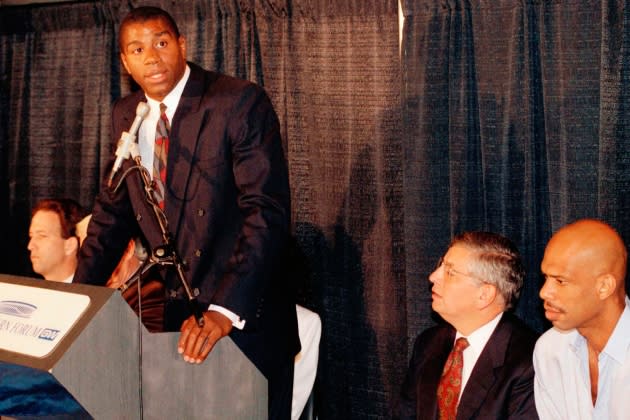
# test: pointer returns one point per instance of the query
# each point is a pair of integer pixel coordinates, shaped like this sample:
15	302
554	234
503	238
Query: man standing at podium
212	146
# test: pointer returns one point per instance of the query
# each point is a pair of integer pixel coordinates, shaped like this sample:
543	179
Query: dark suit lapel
185	129
483	375
125	112
128	111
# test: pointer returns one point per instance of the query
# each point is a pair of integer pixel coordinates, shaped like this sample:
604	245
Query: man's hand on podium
195	343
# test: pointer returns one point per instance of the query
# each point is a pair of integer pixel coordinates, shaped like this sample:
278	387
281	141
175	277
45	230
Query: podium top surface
39	319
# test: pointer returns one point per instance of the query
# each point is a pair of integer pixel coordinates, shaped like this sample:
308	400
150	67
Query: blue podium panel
32	393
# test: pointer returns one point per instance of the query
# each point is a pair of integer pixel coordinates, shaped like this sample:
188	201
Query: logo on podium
21	309
34	320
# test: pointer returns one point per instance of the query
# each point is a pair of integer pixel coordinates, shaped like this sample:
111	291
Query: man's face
153	56
48	249
570	289
455	289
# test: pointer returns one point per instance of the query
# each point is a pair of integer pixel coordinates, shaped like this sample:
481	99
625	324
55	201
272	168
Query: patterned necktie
159	156
451	381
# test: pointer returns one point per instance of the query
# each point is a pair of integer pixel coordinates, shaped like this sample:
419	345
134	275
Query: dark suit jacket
228	208
501	385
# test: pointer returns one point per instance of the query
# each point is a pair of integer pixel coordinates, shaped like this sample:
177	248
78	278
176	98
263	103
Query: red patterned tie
451	381
159	156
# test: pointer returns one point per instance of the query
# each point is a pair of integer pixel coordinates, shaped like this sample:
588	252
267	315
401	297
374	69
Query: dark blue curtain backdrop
500	115
516	120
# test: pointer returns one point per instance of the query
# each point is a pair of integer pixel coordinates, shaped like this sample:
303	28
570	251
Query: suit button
138	217
200	212
198	253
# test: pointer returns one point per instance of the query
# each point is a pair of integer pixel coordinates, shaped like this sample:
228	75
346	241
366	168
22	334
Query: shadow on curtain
515	117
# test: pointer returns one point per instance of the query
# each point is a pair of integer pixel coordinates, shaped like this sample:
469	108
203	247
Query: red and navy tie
451	381
159	156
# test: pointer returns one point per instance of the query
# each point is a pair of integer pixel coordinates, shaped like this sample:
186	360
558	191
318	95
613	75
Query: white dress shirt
562	385
477	341
146	134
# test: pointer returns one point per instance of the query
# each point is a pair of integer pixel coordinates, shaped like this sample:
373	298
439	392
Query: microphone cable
140	326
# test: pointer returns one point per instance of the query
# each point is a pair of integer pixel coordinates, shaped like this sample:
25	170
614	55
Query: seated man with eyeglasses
477	364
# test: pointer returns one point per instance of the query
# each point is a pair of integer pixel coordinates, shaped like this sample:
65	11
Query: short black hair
144	13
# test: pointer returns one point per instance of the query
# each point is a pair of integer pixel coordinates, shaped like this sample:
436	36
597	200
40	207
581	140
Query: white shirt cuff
237	322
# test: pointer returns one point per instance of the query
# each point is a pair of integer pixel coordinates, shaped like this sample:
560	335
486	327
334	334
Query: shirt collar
618	342
172	99
477	339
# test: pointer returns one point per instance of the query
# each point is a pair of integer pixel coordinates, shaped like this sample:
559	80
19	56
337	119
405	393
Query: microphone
127	138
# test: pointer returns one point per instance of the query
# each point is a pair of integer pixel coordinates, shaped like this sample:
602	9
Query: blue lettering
48	334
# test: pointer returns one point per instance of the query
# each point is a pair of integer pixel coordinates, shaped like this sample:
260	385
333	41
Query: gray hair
498	262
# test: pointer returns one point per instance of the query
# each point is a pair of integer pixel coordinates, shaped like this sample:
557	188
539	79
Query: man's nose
545	290
437	274
151	56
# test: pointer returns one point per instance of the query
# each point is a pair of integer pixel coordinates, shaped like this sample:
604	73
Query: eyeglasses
450	272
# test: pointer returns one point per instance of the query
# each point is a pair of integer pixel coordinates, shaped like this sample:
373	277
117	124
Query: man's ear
123	59
487	294
71	245
606	284
181	41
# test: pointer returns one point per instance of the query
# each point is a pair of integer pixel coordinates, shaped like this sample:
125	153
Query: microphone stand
164	255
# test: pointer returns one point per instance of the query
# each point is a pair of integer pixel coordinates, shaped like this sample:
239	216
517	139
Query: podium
101	362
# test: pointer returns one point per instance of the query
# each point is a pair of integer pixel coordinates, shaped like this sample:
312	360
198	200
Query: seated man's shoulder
440	329
521	331
434	334
554	340
553	355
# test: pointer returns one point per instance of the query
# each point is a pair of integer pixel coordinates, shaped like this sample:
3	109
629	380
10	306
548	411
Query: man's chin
561	326
156	91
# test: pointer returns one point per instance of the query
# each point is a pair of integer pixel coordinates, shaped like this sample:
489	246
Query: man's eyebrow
553	276
129	44
156	35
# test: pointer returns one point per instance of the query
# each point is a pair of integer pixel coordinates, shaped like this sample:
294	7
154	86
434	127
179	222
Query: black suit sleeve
261	179
111	227
405	407
521	401
418	397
